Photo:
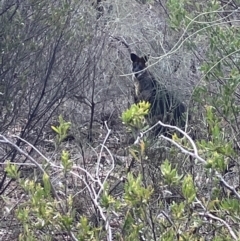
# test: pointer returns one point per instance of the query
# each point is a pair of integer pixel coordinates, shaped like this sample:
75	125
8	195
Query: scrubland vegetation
77	157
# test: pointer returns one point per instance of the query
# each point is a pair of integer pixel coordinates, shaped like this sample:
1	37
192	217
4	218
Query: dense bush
77	158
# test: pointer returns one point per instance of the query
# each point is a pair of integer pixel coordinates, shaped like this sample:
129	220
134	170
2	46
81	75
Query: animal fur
164	104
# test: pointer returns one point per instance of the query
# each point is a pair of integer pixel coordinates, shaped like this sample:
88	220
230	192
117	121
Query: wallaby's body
164	105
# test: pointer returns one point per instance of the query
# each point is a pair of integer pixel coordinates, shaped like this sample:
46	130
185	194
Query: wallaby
165	106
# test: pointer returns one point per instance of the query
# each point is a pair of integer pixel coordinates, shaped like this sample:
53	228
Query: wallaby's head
138	63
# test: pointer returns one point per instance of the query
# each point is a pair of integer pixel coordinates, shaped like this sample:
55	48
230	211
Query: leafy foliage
67	57
62	129
135	115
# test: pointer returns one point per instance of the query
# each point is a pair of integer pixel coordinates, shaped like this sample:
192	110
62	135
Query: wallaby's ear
145	58
134	57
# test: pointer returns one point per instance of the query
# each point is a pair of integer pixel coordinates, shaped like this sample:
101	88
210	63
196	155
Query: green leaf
55	129
188	189
170	174
66	162
47	185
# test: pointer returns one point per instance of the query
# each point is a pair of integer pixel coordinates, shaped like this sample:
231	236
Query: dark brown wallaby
164	104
